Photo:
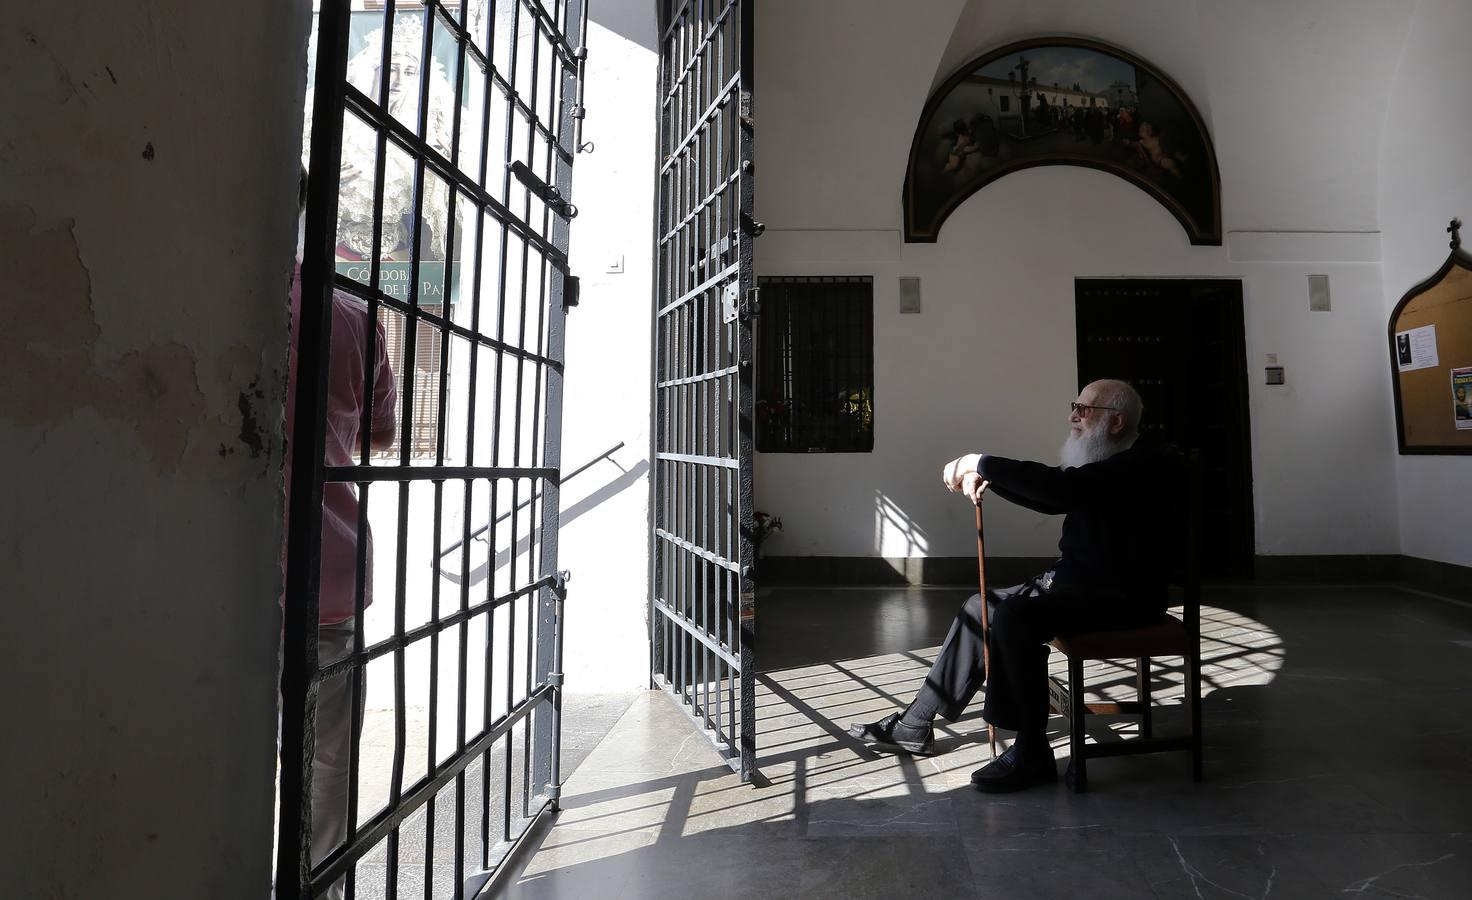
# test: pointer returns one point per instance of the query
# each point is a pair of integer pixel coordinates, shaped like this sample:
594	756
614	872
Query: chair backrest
1187	533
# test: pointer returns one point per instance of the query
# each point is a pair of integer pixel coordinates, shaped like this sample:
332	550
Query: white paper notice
1416	349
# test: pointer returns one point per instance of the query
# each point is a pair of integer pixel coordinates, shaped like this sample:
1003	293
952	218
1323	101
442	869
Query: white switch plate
909	294
615	265
1318	293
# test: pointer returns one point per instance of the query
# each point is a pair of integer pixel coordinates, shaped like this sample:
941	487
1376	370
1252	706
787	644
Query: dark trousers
1023	619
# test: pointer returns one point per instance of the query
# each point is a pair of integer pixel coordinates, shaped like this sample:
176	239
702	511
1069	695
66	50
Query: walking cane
986	648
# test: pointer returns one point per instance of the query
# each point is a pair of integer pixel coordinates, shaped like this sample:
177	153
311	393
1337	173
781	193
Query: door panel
1181	345
441	150
702	609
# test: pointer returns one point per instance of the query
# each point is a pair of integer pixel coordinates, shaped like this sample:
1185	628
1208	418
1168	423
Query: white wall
147	249
606	544
998	285
1425	180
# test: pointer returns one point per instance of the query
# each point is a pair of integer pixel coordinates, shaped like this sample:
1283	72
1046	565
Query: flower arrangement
766	523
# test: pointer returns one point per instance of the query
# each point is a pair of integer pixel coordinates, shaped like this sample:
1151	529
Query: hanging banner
393	278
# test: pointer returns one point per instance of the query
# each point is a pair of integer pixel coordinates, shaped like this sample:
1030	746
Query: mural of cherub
1152	151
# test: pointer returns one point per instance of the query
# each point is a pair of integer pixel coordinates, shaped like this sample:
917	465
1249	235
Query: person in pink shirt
347	395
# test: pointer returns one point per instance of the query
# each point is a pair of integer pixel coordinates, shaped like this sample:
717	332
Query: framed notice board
1430	336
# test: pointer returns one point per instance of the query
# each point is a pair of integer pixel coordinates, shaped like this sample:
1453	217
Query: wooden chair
1168	637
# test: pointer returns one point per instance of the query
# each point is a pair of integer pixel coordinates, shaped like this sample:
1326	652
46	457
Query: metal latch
572	291
549	194
730	309
735	306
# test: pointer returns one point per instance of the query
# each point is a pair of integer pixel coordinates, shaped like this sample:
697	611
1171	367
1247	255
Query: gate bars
702	618
515	63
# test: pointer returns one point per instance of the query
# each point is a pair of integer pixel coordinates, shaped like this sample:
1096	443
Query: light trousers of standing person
330	776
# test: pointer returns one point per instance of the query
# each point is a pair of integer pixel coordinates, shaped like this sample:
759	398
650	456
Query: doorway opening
1182	344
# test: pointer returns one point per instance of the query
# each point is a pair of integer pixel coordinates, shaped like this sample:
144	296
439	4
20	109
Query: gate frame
302	673
742	757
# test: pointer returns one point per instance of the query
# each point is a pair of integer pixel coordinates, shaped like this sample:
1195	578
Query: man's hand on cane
973	486
959	476
953	472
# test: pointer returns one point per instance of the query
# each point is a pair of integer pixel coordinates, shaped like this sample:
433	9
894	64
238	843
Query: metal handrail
530	500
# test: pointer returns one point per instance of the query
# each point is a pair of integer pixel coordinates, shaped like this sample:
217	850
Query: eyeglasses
1083	408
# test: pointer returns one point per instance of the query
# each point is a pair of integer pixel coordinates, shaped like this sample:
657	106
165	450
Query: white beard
1089	447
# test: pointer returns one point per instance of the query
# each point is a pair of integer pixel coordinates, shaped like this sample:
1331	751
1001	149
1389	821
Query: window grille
815	365
424	430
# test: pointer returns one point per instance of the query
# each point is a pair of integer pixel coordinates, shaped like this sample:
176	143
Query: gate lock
734	306
548	194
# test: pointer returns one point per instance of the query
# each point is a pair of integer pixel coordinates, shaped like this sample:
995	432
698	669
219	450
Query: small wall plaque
909	295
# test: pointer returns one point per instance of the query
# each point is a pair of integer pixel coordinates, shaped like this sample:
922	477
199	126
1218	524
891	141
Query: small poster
1416	349
1462	398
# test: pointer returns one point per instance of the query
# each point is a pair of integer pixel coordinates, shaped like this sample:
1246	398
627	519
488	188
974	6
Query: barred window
815	365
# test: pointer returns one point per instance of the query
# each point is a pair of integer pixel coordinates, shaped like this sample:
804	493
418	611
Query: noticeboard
1430	335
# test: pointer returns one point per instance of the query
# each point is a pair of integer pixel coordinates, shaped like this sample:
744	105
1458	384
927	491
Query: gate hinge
554	679
549	194
554	792
572	291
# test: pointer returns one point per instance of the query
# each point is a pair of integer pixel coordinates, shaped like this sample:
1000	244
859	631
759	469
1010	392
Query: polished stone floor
1338	764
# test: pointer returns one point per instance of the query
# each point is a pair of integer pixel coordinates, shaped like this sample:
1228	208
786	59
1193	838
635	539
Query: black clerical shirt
1117	518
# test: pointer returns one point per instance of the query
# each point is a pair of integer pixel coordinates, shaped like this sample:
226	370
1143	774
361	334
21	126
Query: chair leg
1193	690
1142	694
1076	713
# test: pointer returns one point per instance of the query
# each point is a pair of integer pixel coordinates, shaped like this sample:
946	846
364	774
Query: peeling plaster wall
147	221
1426	180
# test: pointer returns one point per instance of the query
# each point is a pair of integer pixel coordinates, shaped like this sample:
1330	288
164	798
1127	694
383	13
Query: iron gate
442	138
702	617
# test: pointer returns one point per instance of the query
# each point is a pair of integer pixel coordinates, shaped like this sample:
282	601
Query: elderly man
1109	574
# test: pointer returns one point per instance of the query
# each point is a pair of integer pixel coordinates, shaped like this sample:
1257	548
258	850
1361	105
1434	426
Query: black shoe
889	733
1013	772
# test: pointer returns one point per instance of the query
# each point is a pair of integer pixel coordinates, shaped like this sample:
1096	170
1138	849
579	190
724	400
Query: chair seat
1167	637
